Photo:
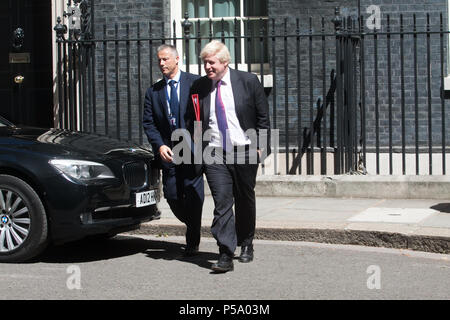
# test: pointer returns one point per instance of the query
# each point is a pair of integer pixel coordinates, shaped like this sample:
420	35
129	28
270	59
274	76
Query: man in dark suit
231	104
164	112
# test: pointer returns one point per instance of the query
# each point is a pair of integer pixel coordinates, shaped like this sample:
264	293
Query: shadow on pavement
442	207
92	249
201	259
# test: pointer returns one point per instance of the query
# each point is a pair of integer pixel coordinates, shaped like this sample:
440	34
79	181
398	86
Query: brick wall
132	13
393	10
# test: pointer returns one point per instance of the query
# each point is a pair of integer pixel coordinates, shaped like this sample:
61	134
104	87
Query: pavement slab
416	224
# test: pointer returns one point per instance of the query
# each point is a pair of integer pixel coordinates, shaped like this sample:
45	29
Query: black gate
340	100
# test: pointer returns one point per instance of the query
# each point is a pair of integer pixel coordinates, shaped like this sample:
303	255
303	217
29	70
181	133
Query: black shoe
246	254
224	264
157	215
190	251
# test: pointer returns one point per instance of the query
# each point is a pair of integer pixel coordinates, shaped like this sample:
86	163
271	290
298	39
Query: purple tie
221	116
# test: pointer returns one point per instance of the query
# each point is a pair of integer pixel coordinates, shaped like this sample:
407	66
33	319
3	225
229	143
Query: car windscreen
5	123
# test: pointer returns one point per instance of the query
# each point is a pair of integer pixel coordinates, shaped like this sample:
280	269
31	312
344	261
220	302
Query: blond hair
218	49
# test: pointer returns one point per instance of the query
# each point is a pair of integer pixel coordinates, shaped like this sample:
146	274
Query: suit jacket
156	118
251	105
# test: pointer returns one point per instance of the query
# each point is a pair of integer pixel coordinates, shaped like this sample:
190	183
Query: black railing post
362	91
402	94
174	33
274	93
377	101
248	44
323	129
150	49
186	24
442	92
354	42
237	41
139	75
286	96
337	20
199	48
348	94
310	159
60	31
429	102
389	66
117	80
416	95
85	19
93	67
105	81
300	146
127	43
222	31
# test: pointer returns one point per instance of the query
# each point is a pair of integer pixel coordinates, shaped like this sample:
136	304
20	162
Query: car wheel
23	221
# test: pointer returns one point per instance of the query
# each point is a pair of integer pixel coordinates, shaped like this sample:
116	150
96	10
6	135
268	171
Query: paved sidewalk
394	223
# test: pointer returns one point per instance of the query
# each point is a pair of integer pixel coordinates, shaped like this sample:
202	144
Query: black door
26	62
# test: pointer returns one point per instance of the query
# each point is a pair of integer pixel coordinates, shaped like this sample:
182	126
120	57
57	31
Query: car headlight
84	171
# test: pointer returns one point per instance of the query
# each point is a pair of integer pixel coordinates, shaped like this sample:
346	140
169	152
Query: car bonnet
68	143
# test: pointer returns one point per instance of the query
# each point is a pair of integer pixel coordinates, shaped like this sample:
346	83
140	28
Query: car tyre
23	221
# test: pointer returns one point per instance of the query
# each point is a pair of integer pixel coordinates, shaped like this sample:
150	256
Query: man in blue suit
164	111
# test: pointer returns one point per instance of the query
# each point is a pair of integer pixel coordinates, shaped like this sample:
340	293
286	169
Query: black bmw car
59	185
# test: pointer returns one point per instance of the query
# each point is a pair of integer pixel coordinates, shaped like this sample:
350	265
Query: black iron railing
344	98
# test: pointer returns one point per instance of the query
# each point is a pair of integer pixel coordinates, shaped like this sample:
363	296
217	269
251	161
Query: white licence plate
145	198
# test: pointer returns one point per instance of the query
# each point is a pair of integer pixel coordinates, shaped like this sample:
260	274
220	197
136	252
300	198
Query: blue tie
221	116
174	104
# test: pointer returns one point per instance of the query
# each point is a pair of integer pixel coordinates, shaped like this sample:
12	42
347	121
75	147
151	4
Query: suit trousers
184	194
232	183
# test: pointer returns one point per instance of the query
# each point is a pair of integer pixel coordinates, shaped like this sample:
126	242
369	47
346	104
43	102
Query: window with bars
241	23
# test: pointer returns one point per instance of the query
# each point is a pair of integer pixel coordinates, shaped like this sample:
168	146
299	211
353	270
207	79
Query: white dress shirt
236	133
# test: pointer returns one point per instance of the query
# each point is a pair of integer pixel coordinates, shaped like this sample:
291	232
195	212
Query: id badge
173	122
